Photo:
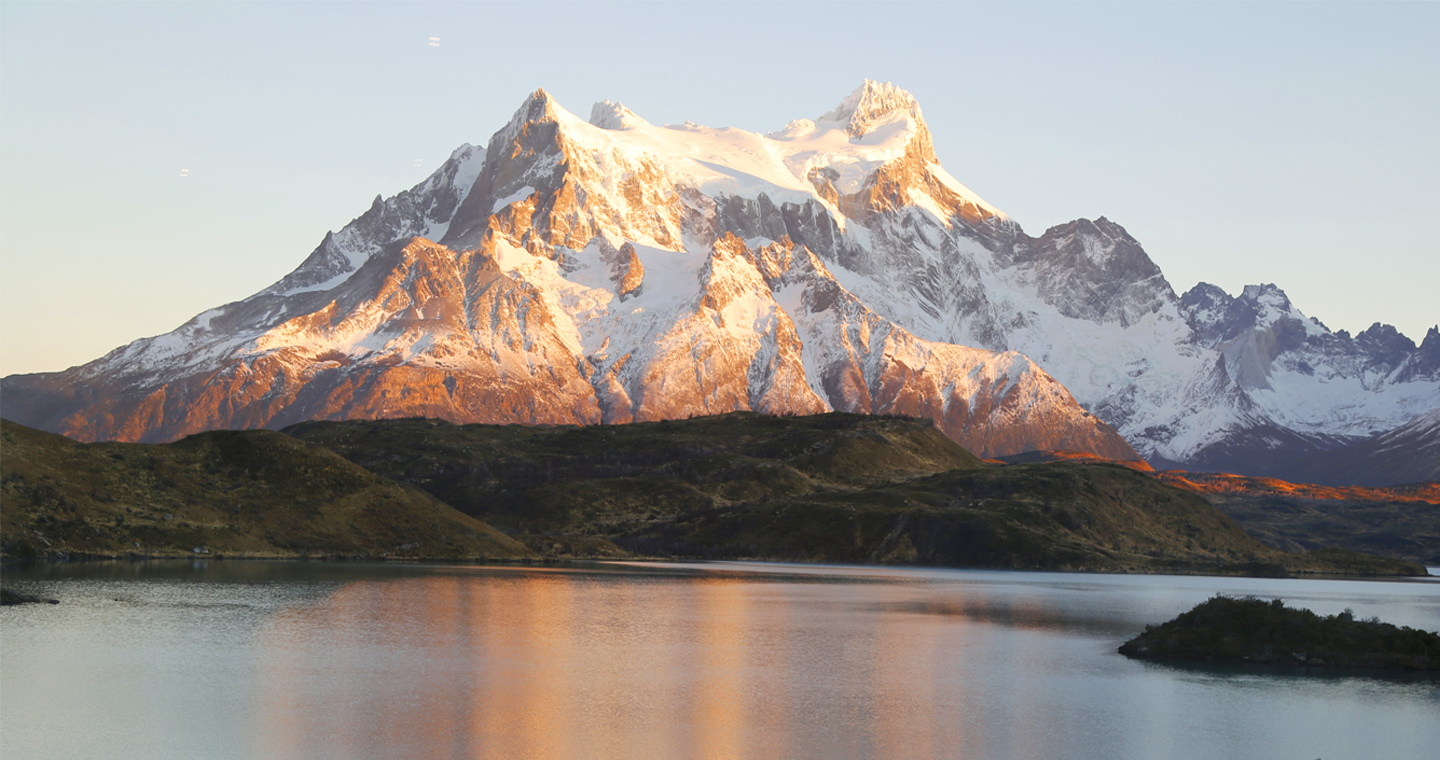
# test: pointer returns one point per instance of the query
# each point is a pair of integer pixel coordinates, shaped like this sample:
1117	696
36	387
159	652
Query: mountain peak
539	106
1265	291
607	114
871	104
1379	334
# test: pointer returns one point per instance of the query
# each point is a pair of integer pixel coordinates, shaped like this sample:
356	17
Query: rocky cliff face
614	270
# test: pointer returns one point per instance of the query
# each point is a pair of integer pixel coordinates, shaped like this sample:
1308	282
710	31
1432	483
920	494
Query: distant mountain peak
608	114
871	104
538	108
1266	292
1217	316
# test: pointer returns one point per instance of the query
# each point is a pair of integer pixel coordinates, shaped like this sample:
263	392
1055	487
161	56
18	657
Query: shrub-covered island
1257	631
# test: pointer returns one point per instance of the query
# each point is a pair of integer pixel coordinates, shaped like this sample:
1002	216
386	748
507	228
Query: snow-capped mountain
1309	390
579	272
615	270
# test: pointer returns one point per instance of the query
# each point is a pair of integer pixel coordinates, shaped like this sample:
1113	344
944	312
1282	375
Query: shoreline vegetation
833	488
1259	632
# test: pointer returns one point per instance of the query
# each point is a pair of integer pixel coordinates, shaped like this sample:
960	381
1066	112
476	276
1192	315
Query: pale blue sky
1292	143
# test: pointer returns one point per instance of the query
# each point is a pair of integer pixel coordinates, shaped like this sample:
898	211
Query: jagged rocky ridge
1312	405
613	270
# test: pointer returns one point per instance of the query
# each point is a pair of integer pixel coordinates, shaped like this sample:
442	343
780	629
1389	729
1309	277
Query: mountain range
609	270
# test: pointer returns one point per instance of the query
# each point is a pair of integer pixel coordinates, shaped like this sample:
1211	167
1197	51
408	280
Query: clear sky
1292	143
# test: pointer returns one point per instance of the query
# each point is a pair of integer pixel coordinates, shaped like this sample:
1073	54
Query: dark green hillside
1405	529
1067	516
832	488
615	478
1256	631
235	493
1101	517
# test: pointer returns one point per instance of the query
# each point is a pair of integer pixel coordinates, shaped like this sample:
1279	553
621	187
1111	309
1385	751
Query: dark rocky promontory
1256	631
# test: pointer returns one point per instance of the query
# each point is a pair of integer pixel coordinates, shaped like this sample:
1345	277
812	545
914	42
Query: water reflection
534	665
553	664
671	661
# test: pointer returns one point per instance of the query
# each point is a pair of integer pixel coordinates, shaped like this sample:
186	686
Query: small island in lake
1256	631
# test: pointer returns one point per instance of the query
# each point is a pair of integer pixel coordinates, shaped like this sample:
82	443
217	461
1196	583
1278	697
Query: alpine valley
611	270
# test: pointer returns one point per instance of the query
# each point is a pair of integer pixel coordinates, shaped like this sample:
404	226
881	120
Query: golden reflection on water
551	664
720	708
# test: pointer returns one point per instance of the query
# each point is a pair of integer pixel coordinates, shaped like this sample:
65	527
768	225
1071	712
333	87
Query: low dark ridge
833	487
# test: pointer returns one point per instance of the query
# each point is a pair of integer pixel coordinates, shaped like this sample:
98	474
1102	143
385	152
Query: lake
251	659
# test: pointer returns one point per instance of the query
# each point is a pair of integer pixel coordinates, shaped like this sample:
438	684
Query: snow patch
515	197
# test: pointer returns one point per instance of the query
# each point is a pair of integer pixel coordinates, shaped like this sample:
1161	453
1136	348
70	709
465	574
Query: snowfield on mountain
611	270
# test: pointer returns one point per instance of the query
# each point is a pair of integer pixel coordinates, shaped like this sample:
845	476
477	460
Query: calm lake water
224	659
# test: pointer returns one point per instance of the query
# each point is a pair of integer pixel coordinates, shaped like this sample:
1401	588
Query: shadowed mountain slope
1407	454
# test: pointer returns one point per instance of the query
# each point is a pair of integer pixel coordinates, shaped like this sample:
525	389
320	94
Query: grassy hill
253	493
826	488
